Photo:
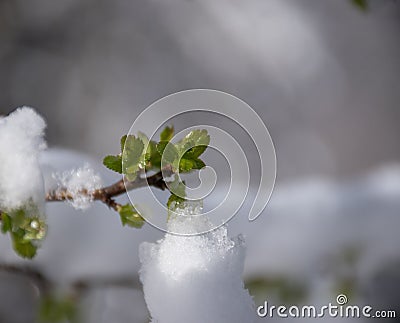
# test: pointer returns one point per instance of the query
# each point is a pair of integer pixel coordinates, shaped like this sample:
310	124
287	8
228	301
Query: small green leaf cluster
190	148
140	155
184	155
26	230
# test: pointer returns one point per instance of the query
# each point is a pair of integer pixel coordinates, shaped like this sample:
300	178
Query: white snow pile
197	278
79	183
21	140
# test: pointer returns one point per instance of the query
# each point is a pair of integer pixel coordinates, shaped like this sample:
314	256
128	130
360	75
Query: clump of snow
79	183
196	278
21	140
194	207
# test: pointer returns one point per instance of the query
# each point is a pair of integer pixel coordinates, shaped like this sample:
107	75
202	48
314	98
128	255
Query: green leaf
177	187
26	228
194	152
361	4
161	146
6	223
155	156
114	163
198	163
177	198
199	141
190	148
25	249
145	154
186	165
132	157
167	133
130	217
196	138
123	139
143	137
169	153
199	136
175	202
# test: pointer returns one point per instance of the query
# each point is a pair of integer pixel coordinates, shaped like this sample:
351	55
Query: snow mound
197	278
79	183
21	140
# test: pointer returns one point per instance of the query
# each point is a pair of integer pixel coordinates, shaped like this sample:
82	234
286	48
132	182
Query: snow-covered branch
107	194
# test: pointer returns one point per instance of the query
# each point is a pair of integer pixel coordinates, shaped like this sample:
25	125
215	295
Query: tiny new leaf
167	133
131	157
186	165
174	202
190	148
123	139
198	163
6	223
26	249
198	139
154	155
114	163
130	217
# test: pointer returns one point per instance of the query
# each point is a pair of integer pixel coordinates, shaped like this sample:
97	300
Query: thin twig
107	194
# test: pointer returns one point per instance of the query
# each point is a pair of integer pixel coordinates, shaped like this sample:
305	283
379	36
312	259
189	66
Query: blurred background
323	75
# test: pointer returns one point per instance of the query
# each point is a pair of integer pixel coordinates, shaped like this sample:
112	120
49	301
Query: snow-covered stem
106	194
